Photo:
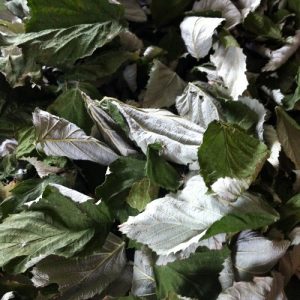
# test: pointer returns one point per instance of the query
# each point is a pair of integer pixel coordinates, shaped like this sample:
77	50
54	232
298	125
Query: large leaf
180	138
194	277
227	151
87	275
163	87
175	222
261	288
197	34
288	131
55	47
227	8
65	13
58	137
230	65
31	236
256	255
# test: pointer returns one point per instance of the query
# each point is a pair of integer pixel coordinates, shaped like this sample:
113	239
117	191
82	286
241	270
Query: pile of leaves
150	149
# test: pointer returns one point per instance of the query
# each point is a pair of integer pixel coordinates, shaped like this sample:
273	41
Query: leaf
288	131
54	47
182	219
261	288
58	137
42	169
197	34
227	8
99	66
179	138
133	11
247	6
230	65
280	56
143	282
109	129
66	13
124	172
26	142
164	12
290	212
289	264
194	277
88	275
262	26
70	106
163	87
256	255
198	106
227	151
159	171
141	193
30	236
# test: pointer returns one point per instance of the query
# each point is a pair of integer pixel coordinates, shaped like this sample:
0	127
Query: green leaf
288	131
70	106
290	213
232	223
141	193
98	66
195	277
163	87
124	172
262	26
31	236
227	151
165	11
65	13
88	275
26	142
159	171
294	6
55	47
74	215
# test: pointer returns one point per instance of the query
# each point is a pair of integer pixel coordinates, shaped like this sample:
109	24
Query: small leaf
163	87
160	171
197	34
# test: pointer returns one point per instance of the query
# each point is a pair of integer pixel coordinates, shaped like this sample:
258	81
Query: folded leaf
31	236
230	65
261	288
163	87
256	255
58	137
87	275
197	34
180	138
